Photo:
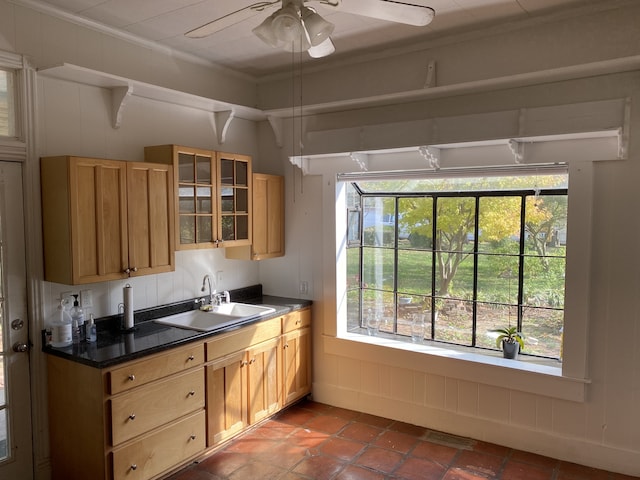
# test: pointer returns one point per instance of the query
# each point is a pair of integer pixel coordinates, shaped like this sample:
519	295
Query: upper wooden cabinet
105	219
268	220
213	195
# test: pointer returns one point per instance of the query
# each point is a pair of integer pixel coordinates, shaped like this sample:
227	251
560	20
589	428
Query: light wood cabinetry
213	195
138	420
255	371
296	361
105	219
244	383
268	220
142	419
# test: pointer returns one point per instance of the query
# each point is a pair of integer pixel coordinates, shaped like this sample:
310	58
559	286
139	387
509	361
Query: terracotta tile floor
315	441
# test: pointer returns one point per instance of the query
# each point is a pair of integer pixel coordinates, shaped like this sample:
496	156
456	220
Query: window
448	260
7	104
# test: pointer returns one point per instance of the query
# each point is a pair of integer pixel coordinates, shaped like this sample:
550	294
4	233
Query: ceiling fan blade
230	19
390	10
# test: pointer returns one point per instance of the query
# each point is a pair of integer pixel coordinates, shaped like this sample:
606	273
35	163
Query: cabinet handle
131	377
243	363
192	437
252	361
134	467
298	322
286	345
127	270
192	393
134	269
132	416
191	358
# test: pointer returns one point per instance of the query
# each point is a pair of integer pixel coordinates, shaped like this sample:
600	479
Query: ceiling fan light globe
266	33
317	27
322	50
286	24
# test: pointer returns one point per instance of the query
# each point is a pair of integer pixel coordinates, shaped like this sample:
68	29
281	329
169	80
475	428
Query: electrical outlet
66	298
303	288
218	278
86	298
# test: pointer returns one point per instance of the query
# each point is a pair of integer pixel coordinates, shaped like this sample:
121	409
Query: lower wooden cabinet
102	428
226	397
142	419
269	369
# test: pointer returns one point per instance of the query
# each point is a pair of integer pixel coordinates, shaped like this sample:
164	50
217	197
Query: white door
16	460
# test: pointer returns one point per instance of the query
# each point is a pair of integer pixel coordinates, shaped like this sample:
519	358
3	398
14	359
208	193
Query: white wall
602	431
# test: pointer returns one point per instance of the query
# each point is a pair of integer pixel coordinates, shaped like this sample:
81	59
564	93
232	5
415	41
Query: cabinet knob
252	361
134	467
191	358
131	377
132	416
286	345
243	363
192	437
192	393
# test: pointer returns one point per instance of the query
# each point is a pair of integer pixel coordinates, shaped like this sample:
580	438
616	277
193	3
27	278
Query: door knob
20	347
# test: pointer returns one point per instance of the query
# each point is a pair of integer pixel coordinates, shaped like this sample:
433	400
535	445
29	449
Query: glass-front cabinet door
213	202
234	199
196	185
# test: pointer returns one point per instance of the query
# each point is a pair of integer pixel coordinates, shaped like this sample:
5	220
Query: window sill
523	375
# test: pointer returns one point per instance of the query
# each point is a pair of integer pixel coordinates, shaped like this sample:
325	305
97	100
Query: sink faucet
206	281
217	298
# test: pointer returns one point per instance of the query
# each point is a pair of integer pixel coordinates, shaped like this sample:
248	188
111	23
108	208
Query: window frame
567	381
475	252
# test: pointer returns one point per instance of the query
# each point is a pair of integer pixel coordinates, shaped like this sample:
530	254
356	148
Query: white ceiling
166	21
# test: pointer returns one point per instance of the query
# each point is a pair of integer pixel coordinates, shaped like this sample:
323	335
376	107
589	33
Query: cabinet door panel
151	203
296	363
99	219
226	397
265	384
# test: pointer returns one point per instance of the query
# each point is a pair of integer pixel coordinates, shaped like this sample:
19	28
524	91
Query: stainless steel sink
220	316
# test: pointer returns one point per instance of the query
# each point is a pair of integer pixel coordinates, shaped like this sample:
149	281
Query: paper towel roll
127	293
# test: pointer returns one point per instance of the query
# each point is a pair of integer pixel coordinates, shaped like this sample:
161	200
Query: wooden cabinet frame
218	219
105	219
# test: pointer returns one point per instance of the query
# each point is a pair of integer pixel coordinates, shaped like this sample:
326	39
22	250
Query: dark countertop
115	346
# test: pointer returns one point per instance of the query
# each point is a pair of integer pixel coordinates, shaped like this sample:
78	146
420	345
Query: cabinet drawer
145	371
155	404
240	339
162	450
296	319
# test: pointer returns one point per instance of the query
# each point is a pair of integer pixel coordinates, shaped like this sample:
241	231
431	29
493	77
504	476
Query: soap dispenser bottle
91	330
61	327
77	317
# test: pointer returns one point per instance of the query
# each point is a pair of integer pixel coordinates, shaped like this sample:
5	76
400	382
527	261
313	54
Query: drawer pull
132	416
134	467
192	437
286	345
298	322
192	393
252	361
131	377
243	363
191	358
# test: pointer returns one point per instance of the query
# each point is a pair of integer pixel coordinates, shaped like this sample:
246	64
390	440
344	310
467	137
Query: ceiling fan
297	27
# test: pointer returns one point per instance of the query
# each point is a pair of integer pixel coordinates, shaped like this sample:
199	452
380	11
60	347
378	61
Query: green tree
499	219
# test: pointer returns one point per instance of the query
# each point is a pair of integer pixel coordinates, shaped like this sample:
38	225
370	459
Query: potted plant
511	341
